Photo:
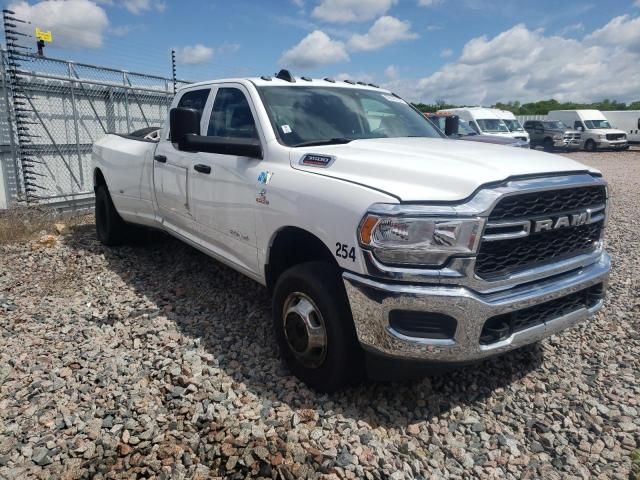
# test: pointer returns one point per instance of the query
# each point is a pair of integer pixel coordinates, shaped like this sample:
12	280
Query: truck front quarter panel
328	208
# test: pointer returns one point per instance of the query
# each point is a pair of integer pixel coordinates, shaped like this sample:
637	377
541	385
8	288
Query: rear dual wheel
111	230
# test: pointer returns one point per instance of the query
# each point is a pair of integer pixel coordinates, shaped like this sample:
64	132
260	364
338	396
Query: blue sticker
265	177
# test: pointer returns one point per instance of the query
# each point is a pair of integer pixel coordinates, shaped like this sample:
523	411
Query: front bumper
372	301
567	144
614	144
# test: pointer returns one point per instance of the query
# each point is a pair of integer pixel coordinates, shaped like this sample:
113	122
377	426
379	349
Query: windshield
597	124
554	125
464	129
492	125
303	115
513	125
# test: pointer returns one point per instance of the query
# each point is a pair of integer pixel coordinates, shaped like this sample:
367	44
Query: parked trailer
627	121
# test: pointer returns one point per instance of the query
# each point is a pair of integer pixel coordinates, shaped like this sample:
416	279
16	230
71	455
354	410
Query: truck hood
429	169
604	131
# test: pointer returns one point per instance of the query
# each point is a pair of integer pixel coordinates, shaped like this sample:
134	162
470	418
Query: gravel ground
155	361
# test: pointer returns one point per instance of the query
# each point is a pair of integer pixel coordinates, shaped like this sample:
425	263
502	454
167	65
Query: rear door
171	167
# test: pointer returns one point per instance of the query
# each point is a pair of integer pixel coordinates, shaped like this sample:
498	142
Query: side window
474	125
231	116
195	99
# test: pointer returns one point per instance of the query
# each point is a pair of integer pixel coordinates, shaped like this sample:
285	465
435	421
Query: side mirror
451	125
183	122
240	147
580	128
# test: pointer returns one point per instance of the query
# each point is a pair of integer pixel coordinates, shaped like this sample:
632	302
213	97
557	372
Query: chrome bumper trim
371	301
461	271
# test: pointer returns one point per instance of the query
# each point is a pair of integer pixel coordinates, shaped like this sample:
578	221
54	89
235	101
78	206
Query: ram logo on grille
574	220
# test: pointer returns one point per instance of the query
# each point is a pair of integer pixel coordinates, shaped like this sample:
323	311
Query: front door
171	168
223	187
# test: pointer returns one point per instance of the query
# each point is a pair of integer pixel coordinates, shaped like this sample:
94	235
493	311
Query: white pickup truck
382	242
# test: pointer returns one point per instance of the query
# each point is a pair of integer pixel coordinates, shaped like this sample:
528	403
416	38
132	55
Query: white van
484	121
596	129
512	123
627	121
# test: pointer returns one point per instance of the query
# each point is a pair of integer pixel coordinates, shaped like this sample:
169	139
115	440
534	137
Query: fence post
126	100
75	126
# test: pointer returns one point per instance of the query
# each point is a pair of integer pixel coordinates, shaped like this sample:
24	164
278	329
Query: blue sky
463	51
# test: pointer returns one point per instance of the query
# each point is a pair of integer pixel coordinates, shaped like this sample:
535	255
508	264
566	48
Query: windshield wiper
329	141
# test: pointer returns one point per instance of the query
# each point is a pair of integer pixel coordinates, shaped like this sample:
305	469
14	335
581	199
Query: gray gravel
155	361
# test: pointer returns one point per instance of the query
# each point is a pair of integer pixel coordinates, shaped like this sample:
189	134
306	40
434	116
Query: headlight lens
602	137
419	240
557	137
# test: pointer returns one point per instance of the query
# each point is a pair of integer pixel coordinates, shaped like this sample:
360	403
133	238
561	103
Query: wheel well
548	139
292	246
98	179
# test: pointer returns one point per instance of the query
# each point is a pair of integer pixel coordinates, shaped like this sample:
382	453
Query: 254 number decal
344	251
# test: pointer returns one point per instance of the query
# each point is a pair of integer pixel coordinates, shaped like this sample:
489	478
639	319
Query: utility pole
173	69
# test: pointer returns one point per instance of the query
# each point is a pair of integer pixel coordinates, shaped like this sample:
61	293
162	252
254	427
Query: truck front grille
502	257
615	136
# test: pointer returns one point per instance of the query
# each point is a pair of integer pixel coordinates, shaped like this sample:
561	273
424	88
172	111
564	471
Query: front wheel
590	146
314	327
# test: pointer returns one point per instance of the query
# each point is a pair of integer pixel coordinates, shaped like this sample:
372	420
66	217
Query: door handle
160	158
202	168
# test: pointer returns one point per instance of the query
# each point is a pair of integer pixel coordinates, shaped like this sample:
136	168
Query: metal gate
55	109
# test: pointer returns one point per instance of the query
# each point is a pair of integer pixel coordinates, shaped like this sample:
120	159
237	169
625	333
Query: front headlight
602	137
557	137
429	241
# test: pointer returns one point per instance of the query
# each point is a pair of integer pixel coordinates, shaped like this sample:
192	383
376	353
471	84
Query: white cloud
434	28
344	11
446	53
391	72
637	3
314	50
574	27
527	65
193	54
623	31
74	23
137	6
428	3
298	3
385	31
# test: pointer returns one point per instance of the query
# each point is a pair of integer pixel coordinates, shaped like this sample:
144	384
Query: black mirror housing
451	125
183	122
240	147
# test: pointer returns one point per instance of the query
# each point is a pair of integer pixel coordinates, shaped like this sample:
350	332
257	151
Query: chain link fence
52	112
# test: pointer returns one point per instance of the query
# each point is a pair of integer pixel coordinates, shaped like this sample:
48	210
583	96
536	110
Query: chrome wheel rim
304	330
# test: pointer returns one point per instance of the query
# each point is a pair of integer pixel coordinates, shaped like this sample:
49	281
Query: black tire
342	363
590	146
111	230
548	145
